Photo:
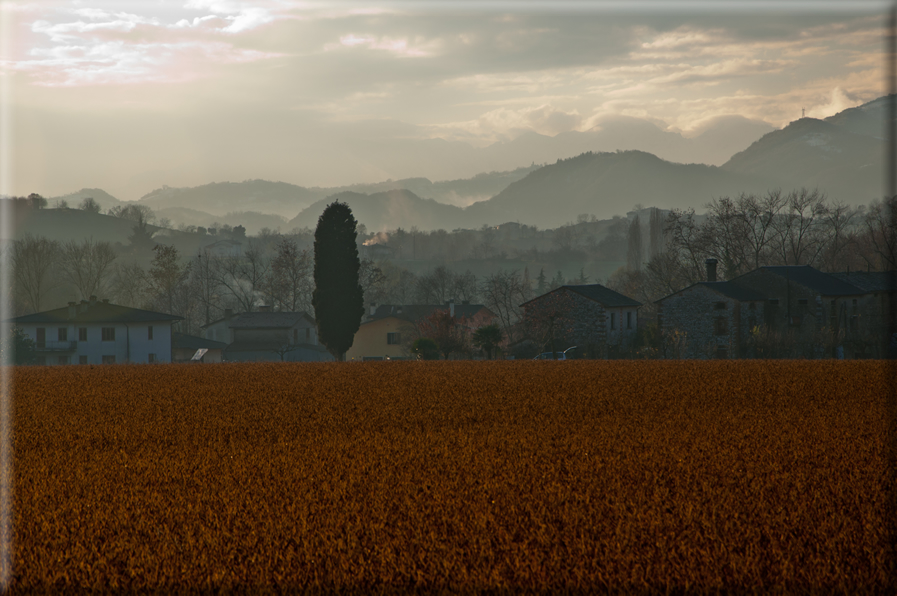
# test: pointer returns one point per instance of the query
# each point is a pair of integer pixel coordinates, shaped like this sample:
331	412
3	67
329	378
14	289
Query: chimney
711	269
73	309
373	308
228	313
105	301
265	308
452	307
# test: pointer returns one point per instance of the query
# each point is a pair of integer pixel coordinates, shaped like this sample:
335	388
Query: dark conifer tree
338	298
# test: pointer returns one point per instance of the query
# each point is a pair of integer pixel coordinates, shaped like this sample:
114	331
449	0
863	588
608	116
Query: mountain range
842	156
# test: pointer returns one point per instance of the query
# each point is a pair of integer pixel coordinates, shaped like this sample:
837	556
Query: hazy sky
128	96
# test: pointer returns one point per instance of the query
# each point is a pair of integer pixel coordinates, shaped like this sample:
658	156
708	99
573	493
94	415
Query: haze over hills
818	154
607	184
842	156
388	211
279	198
713	145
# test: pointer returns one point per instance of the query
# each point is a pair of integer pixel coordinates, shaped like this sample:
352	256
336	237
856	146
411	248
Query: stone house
709	319
591	316
867	316
795	311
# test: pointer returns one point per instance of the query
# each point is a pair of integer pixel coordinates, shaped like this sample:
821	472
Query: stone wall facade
701	323
587	323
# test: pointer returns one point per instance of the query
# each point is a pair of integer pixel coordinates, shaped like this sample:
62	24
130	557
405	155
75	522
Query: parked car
574	353
550	356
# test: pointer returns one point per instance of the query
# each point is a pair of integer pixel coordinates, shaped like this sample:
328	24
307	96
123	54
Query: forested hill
605	184
388	211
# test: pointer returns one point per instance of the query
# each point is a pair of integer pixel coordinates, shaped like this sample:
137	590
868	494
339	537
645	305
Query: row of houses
789	311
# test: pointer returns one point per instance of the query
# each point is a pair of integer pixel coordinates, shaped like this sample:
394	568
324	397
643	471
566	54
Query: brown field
452	476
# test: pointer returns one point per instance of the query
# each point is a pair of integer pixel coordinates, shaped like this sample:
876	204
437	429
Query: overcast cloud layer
128	96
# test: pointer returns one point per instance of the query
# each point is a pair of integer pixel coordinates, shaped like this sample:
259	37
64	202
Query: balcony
56	346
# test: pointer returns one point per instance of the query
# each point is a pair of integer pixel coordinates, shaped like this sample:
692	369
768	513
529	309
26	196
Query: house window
721	326
108	334
295	336
63	360
82	334
149	332
393	339
150	358
109	359
62	334
82	359
720	306
613	320
629	320
41	337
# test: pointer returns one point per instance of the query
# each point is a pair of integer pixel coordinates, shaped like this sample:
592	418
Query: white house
97	332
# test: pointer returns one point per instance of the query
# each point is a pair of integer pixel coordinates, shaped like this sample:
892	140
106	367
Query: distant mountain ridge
842	156
284	199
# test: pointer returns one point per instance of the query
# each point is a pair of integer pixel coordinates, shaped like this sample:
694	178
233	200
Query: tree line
801	227
663	251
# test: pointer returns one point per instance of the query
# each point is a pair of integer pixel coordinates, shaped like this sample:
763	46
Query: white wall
131	342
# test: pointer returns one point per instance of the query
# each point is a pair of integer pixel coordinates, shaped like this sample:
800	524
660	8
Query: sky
129	96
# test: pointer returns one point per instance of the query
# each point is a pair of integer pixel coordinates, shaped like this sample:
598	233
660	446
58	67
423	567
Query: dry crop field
452	476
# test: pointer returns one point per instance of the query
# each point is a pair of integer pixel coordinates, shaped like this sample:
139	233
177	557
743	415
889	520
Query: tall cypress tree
338	298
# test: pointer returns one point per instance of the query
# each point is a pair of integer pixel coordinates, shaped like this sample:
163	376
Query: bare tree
166	277
34	259
289	282
204	285
142	217
465	286
503	293
129	285
87	265
839	224
90	205
798	230
244	277
435	287
879	238
686	244
724	236
758	216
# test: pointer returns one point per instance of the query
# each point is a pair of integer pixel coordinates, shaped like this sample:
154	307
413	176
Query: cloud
840	101
505	123
96	46
402	47
116	62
